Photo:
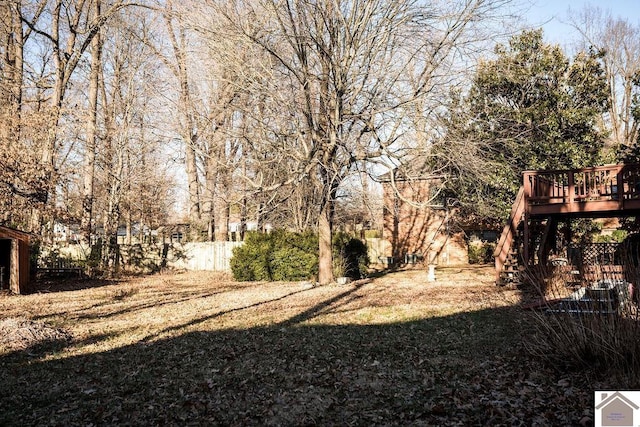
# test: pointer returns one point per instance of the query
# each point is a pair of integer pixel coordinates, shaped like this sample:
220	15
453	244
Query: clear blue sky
552	15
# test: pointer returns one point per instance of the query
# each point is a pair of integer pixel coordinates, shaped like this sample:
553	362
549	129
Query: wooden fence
192	256
204	256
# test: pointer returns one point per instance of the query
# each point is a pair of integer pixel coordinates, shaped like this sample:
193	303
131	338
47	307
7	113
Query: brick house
417	224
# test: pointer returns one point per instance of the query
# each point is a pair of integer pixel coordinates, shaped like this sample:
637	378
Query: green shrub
372	234
251	261
279	255
475	252
480	252
35	251
619	236
350	256
293	264
489	249
283	255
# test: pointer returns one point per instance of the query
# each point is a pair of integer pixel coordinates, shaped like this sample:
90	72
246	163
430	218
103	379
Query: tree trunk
325	229
192	177
222	220
129	225
242	227
112	217
208	210
110	249
188	122
89	164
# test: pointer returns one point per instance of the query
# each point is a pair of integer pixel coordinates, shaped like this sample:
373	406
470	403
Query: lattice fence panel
596	254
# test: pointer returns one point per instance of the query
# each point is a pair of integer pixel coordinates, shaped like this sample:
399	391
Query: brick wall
413	229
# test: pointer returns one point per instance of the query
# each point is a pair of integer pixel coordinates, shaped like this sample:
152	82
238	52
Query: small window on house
489	236
437	197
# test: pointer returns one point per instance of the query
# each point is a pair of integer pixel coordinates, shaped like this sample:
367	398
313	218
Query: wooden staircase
510	255
506	254
511	270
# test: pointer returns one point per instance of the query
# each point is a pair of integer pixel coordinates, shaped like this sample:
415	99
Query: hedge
287	256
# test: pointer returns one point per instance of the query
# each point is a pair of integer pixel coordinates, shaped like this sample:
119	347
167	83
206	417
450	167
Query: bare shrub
572	332
549	282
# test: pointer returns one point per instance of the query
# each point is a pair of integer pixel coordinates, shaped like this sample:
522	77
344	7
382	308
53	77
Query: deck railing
603	183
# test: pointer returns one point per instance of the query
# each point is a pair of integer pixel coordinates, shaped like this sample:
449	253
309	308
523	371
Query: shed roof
12	233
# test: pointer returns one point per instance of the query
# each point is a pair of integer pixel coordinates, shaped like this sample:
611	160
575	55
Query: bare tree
69	30
89	163
75	148
619	39
221	149
337	83
18	166
189	130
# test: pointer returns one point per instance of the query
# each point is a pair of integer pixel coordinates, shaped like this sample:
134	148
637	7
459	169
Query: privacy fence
208	256
193	256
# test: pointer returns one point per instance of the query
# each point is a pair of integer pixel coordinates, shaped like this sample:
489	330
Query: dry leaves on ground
200	349
21	334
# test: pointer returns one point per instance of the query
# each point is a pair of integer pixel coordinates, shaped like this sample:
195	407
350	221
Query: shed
14	260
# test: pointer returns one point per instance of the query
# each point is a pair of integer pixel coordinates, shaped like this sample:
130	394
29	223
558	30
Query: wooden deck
591	192
559	195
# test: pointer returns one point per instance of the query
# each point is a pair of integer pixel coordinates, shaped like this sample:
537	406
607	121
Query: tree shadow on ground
151	300
68	283
461	369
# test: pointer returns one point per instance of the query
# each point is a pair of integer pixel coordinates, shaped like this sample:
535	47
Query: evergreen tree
529	108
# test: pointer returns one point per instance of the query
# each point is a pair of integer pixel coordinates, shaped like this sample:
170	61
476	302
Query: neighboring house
70	233
14	260
616	410
135	233
66	233
235	229
418	225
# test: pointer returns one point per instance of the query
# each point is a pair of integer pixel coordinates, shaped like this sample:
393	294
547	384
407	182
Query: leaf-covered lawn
199	349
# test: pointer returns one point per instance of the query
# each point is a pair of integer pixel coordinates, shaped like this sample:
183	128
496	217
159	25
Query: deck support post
548	241
568	235
526	239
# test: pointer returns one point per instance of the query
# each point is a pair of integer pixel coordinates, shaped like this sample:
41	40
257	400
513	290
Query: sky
553	15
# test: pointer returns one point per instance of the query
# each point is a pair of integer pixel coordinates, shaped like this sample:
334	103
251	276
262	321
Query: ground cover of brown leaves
200	349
